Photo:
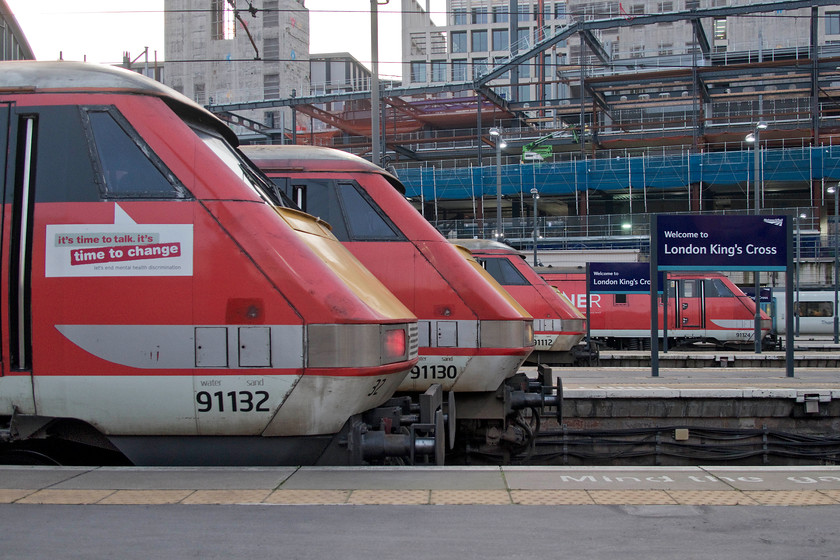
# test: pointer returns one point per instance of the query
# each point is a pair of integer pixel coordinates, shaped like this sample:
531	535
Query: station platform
745	382
498	486
719	359
809	352
690	416
819	357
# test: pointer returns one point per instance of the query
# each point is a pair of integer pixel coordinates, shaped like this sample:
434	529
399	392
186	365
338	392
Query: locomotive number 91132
232	401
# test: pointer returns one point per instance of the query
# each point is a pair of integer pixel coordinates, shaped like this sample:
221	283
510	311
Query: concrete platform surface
792	486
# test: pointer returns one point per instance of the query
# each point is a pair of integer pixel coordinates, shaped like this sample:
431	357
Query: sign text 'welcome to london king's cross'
722	242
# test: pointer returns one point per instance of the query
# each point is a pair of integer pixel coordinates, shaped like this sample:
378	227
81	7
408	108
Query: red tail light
394	345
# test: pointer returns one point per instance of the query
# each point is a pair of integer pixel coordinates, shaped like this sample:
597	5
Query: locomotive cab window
350	211
284	187
621	299
503	272
689	288
319	198
128	166
365	220
261	185
714	287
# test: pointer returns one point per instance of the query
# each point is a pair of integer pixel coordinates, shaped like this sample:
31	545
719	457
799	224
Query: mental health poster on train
123	248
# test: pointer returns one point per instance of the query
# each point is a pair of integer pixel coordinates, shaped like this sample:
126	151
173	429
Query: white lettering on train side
579	300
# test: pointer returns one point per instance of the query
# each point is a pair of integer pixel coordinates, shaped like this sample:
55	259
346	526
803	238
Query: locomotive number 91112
434	371
232	401
544	340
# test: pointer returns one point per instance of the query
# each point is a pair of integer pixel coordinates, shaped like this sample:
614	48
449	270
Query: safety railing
618	231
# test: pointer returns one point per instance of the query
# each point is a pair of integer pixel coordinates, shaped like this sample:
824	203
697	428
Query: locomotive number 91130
434	371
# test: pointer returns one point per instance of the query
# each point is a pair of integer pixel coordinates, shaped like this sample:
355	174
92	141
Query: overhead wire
254	11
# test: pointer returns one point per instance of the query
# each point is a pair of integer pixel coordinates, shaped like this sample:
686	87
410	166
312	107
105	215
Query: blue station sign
722	242
619	278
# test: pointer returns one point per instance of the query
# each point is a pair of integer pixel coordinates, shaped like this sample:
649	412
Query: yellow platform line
424	497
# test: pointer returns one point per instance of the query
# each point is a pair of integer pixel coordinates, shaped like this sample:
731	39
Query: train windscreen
244	170
715	287
130	168
503	271
352	213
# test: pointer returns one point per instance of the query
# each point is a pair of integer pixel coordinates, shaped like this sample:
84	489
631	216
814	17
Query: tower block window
224	24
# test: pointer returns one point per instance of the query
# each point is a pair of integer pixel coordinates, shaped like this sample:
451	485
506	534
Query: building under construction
606	111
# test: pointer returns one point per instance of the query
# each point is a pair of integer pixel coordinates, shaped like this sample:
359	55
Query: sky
101	30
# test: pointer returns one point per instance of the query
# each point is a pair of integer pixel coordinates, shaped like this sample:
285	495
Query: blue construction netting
605	174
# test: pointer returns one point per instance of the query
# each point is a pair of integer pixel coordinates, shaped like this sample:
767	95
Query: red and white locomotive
160	301
558	325
473	334
702	306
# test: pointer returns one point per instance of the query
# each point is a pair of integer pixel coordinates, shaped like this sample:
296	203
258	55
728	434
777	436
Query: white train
816	312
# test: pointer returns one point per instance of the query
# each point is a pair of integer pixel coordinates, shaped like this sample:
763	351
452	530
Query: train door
16	383
689	304
5	179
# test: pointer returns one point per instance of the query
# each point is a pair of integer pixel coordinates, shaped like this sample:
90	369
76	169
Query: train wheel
451	419
440	443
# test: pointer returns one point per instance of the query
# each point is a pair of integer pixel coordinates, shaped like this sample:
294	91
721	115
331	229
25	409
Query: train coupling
541	394
586	354
402	430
